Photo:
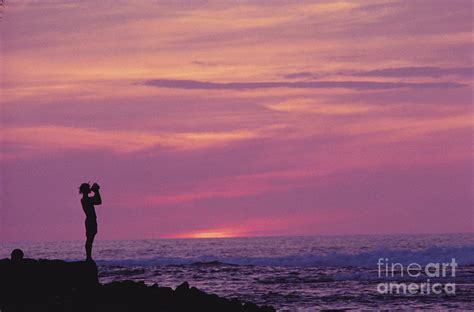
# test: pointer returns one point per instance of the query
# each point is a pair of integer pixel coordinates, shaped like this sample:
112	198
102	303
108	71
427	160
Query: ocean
304	273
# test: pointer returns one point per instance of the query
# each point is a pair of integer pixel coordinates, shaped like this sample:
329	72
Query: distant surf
463	255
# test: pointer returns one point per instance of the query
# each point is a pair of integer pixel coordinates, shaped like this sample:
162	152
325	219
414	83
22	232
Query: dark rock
56	285
184	287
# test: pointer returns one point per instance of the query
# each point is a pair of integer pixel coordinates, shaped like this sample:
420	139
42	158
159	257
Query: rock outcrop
56	285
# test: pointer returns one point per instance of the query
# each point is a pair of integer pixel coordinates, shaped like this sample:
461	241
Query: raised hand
95	187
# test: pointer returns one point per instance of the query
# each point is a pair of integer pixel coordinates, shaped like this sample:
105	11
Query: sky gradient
236	118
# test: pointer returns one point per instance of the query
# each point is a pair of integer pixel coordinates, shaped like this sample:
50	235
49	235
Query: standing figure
91	218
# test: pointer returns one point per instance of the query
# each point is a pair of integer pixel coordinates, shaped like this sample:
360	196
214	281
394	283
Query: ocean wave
462	255
461	276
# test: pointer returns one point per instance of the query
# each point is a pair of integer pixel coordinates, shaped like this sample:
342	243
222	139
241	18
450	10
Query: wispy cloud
301	75
311	106
392	72
355	85
204	63
236	186
427	71
57	137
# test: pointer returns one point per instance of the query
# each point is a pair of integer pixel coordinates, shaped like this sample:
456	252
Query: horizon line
240	237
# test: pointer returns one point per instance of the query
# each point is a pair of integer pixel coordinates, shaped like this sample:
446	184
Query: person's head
85	188
17	255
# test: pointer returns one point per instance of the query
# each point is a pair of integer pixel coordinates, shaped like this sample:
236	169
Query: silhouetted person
17	255
91	218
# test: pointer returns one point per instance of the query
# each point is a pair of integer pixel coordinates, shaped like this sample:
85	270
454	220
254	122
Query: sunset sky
236	118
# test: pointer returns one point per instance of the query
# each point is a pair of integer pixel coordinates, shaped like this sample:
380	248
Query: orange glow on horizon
218	233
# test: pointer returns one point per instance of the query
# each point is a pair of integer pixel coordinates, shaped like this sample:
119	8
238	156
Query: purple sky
233	118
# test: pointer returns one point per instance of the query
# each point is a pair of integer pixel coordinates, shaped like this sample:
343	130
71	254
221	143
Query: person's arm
96	199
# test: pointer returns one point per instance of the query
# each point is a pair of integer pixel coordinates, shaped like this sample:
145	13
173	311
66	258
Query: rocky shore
56	285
